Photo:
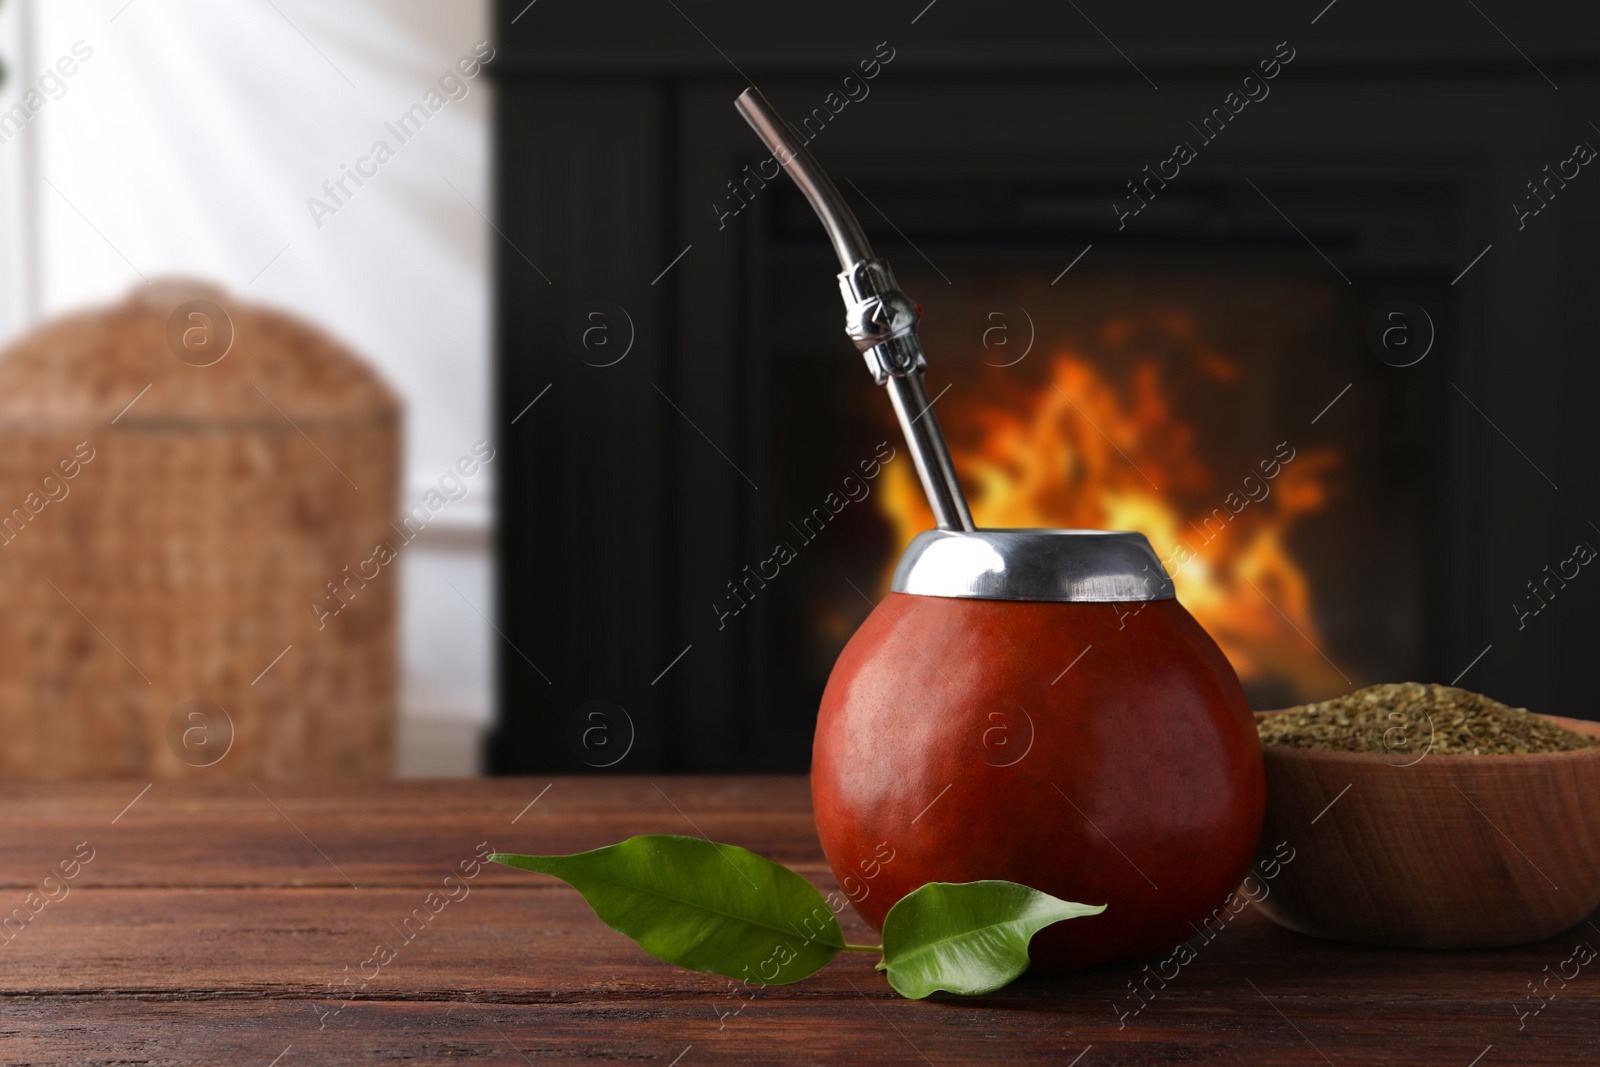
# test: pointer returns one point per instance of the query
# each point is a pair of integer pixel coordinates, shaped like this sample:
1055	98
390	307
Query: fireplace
1179	391
692	530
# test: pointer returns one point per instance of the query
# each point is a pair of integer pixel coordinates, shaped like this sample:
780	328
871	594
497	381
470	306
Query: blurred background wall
188	140
674	317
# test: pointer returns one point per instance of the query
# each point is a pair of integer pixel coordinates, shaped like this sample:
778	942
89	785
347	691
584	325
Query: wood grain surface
217	924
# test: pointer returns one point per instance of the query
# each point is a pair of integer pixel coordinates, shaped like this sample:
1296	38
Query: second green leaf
967	937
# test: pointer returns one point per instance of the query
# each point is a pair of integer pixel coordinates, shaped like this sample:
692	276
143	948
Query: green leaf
704	906
968	937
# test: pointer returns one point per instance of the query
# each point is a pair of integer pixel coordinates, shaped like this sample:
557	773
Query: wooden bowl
1440	852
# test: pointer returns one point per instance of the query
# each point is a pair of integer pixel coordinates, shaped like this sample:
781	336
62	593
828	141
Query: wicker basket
186	546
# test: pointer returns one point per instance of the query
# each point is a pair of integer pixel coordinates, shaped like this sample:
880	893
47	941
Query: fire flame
1080	453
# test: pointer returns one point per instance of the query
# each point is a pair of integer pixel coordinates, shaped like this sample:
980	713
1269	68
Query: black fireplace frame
627	500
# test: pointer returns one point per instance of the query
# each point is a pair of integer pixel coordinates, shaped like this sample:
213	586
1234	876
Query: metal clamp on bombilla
880	319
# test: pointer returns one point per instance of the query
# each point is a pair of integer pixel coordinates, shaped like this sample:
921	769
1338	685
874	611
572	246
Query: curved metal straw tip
788	148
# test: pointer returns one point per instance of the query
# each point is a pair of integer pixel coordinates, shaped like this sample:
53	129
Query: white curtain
161	137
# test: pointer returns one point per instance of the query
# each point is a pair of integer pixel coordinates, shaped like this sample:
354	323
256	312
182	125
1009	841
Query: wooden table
218	924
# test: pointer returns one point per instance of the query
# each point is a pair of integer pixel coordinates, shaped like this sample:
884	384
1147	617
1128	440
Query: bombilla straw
880	319
837	218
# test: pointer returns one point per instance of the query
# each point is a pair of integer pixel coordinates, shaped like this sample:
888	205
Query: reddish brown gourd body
950	742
